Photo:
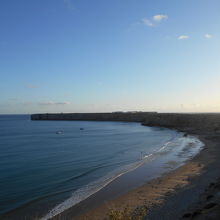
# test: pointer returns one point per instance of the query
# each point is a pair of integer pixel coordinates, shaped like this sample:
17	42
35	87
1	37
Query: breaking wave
183	147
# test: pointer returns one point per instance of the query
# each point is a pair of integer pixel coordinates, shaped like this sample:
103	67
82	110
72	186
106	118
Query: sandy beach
188	192
109	110
172	196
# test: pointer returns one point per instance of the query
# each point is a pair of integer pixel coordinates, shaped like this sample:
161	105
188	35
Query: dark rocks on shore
187	215
209	207
209	197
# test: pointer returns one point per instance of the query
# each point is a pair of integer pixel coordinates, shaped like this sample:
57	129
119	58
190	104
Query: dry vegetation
126	214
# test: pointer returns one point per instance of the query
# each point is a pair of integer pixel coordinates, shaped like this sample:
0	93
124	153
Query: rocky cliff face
184	122
118	116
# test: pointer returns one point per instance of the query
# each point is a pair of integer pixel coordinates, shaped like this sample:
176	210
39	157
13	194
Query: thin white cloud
151	22
159	18
183	37
208	36
147	22
54	103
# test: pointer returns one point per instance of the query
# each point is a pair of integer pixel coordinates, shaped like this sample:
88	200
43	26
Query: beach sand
175	195
184	193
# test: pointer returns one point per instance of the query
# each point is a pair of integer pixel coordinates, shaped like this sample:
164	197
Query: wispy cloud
147	22
32	86
53	103
155	20
208	36
183	37
159	18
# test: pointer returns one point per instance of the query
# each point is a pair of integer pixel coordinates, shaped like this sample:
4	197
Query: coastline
173	195
169	188
149	194
187	202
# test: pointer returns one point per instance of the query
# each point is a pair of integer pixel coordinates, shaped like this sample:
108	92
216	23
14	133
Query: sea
48	166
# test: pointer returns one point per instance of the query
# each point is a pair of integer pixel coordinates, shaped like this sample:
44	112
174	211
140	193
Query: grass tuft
127	214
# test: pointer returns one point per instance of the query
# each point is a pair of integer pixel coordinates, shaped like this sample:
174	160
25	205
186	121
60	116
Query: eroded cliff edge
184	122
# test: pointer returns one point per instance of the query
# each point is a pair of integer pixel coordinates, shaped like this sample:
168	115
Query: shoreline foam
197	174
176	193
177	142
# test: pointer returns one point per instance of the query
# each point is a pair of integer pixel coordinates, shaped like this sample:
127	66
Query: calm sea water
45	163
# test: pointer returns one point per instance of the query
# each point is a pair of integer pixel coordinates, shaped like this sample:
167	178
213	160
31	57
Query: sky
109	55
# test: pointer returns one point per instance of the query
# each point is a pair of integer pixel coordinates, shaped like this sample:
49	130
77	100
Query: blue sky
109	55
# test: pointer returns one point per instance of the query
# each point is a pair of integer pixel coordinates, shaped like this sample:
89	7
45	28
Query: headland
190	192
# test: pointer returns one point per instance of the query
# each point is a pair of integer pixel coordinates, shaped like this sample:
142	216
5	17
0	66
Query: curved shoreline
175	194
181	190
99	211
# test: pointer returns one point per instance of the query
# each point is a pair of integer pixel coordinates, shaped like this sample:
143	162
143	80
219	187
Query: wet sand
149	195
167	197
185	201
176	195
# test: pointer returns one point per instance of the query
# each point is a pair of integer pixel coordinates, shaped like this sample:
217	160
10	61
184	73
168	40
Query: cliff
183	122
186	122
117	116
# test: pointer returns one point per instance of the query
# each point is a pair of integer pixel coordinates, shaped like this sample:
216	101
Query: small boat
59	132
81	129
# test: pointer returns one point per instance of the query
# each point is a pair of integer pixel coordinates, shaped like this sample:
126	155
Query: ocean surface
48	166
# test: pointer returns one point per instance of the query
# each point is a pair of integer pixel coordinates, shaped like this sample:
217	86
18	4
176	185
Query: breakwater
183	122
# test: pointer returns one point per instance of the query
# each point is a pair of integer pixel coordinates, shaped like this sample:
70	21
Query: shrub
126	214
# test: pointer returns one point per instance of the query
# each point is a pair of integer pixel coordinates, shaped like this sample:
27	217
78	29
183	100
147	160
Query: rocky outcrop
186	122
117	116
183	122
